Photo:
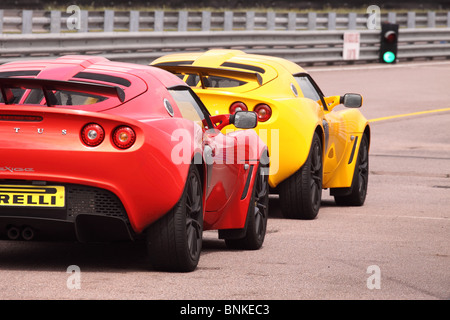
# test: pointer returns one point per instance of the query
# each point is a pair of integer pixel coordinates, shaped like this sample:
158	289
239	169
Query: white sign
351	45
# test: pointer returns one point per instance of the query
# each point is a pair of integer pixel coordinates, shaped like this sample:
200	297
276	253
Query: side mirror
352	100
244	119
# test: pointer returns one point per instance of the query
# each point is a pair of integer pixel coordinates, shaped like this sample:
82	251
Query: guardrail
40	21
305	48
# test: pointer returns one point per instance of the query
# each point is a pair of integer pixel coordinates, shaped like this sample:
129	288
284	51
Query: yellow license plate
32	196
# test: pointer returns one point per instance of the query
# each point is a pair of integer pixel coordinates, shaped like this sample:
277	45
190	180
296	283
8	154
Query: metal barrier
40	21
305	47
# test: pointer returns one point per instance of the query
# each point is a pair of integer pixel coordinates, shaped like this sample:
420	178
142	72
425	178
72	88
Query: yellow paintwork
289	131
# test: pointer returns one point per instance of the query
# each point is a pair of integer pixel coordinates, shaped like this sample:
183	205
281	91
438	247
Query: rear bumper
90	214
145	179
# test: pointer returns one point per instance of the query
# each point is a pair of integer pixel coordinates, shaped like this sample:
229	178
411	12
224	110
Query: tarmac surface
396	246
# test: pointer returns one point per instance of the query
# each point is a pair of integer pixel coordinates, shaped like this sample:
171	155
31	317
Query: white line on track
374	67
405	217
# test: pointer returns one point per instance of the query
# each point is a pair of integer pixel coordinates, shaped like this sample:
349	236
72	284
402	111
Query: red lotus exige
97	150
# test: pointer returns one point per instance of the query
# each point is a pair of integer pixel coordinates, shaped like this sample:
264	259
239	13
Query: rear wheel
174	242
257	215
301	193
360	181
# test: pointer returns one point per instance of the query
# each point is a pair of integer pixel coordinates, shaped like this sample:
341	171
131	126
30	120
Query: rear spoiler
205	71
47	86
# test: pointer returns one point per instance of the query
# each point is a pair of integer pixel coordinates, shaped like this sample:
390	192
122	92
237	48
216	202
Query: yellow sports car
312	146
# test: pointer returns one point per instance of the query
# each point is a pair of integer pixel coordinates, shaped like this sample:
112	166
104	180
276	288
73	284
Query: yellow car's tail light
263	111
237	106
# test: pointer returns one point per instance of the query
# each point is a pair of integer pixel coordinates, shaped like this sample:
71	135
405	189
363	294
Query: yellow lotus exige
312	147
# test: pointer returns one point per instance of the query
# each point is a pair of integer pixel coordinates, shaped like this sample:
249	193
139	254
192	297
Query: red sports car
97	150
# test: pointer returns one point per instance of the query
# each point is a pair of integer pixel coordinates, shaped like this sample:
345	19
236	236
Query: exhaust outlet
13	233
27	233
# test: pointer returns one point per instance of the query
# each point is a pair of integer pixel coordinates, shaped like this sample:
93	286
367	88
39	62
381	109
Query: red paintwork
144	177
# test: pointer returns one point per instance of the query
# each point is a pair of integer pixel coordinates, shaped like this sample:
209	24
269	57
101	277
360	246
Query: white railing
305	48
39	21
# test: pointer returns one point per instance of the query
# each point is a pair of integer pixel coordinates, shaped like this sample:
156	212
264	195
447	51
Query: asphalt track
394	247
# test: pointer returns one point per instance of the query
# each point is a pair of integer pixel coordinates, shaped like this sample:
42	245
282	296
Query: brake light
92	134
124	137
237	106
263	111
9	117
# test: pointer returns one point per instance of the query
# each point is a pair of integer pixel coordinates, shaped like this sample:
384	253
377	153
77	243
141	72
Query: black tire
174	242
301	193
257	215
360	181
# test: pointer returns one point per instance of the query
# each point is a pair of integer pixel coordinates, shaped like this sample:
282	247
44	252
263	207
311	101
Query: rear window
222	82
59	97
193	80
17	94
64	98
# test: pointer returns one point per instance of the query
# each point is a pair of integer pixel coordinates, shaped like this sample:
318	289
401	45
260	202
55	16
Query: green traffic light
389	57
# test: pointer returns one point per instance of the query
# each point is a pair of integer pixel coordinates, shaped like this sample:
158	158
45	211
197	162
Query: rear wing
48	86
203	72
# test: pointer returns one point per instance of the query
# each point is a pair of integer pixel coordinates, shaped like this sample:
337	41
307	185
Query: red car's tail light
124	137
263	111
237	106
10	117
92	134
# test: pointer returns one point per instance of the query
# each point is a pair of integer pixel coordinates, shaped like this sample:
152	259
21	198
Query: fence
39	21
305	48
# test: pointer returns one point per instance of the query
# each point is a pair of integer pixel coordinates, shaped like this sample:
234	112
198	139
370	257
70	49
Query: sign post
351	45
